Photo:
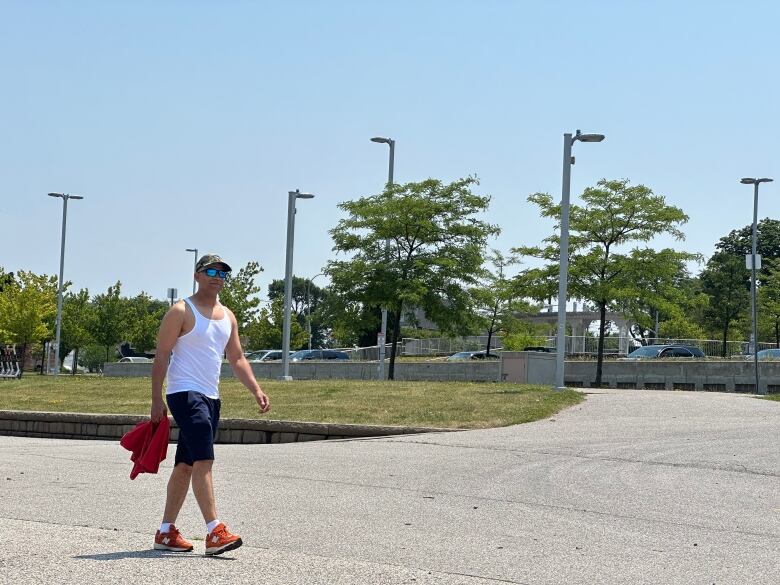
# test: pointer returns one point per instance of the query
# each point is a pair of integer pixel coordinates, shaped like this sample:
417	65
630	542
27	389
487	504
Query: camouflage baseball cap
209	259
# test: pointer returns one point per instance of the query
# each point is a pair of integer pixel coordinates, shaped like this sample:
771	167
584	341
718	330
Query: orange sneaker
171	540
220	540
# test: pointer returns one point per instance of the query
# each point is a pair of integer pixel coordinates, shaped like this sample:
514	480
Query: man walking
194	334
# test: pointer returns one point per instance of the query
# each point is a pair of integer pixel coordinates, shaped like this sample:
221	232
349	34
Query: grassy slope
437	404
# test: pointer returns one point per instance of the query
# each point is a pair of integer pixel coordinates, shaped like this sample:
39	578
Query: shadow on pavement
148	554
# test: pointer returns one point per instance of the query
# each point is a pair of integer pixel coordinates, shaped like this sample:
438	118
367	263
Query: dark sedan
665	351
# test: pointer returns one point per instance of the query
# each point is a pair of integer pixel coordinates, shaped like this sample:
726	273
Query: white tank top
196	360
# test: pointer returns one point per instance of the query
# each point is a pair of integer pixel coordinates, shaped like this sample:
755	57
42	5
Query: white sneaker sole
171	548
219	550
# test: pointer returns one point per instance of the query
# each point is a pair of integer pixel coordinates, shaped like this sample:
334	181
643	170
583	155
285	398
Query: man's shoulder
178	309
229	313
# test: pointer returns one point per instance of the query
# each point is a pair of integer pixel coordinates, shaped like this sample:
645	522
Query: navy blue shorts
198	418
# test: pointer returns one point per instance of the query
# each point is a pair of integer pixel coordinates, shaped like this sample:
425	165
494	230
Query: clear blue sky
185	124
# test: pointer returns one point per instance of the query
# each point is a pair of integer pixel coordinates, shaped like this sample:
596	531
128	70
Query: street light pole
753	303
65	198
194	264
308	306
382	341
563	273
292	196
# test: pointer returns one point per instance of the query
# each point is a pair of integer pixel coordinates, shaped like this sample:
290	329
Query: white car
765	355
265	355
136	360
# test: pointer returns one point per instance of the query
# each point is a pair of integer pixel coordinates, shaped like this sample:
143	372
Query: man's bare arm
166	338
242	369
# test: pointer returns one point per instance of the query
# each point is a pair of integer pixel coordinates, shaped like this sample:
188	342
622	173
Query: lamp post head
304	196
381	140
65	196
752	181
191	250
588	137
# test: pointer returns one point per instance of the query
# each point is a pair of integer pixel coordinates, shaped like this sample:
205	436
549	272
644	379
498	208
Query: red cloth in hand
149	443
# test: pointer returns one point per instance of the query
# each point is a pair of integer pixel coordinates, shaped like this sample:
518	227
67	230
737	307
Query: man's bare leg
178	485
203	488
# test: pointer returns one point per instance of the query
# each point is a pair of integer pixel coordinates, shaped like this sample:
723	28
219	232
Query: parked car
135	360
664	351
462	356
318	354
265	355
765	355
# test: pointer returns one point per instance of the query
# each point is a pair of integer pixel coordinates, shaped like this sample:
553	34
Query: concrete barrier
682	374
73	425
467	371
664	374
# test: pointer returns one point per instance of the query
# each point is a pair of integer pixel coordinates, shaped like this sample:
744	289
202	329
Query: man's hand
263	402
158	410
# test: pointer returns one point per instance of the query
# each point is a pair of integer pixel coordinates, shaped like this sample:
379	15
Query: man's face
212	277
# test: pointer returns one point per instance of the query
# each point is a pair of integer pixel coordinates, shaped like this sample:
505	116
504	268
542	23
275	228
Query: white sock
212	525
165	527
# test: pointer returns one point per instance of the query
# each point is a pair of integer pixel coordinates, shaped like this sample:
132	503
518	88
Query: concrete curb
75	425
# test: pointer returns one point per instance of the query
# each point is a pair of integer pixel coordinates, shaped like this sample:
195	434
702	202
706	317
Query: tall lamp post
308	305
563	274
194	264
292	196
753	304
382	340
64	197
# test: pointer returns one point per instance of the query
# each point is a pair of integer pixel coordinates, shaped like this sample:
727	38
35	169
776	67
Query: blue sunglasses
212	272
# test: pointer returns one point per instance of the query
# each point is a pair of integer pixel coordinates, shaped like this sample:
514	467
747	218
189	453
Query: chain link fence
583	346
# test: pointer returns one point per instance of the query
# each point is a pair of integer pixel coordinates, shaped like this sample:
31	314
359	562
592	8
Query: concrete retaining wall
712	376
472	371
70	425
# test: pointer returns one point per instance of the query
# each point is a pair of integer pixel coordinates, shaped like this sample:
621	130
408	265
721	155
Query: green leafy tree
723	281
240	295
350	322
519	334
77	317
28	307
266	331
93	357
494	294
614	215
740	242
436	252
306	300
6	278
143	316
769	302
657	288
678	327
108	328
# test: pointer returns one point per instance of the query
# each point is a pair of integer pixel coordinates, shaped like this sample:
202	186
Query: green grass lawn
775	397
432	404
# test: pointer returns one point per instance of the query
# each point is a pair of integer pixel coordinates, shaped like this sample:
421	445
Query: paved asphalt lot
628	487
